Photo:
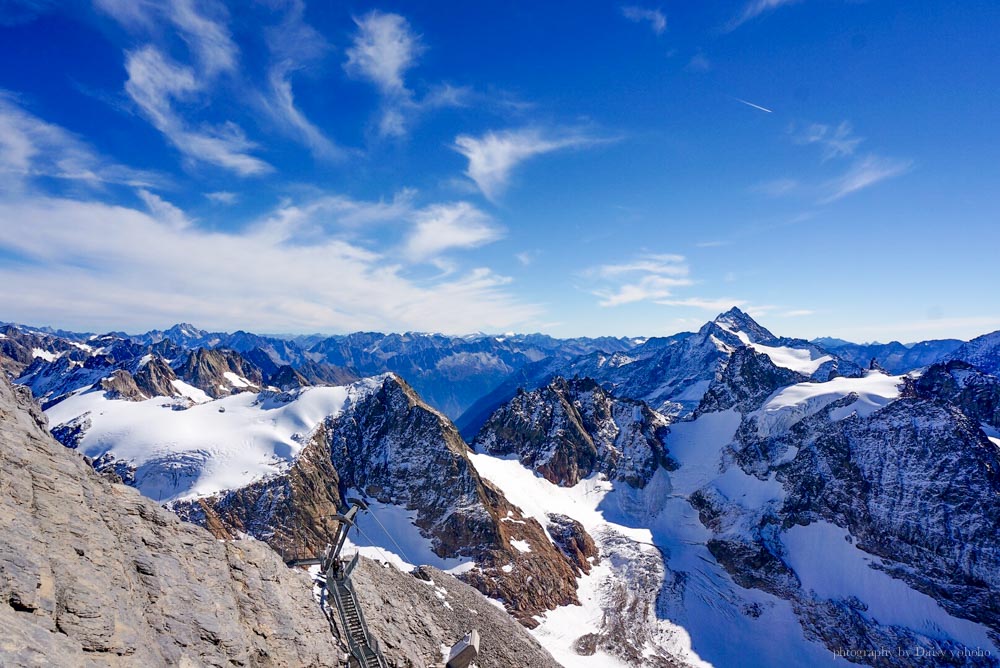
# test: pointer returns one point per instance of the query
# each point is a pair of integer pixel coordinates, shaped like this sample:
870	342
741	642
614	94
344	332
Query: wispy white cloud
18	12
426	232
648	277
31	148
84	261
222	197
646	288
318	216
865	173
295	45
663	264
836	142
755	9
841	144
155	83
444	227
209	39
494	155
714	305
202	27
384	48
281	105
654	17
163	211
526	258
94	264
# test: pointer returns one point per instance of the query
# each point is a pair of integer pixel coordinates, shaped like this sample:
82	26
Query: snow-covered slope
170	450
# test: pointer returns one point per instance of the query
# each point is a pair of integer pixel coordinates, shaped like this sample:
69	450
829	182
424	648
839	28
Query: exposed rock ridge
571	429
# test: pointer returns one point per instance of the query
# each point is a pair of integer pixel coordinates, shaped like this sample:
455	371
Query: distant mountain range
726	496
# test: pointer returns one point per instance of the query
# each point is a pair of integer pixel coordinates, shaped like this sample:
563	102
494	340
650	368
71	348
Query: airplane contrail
751	104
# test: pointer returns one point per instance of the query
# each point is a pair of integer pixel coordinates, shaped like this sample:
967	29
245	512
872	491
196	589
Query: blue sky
578	169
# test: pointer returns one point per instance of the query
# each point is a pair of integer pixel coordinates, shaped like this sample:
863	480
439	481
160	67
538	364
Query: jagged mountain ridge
671	374
469	377
572	429
894	357
983	352
799	489
450	372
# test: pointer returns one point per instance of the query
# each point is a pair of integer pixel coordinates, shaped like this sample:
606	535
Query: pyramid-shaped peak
185	330
734	320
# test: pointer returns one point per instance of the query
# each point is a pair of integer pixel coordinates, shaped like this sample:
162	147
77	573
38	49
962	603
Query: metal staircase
364	648
338	592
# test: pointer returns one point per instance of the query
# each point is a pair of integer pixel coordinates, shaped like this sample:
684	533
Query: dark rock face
92	574
976	394
120	385
394	448
206	369
571	429
917	483
574	541
154	378
287	378
18	346
71	433
748	379
982	352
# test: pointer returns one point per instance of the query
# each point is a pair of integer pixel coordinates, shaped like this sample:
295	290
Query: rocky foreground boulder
94	574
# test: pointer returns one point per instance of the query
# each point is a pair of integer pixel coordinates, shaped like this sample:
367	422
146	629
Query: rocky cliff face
748	379
975	393
91	573
19	348
866	506
439	610
914	486
219	373
571	429
390	447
